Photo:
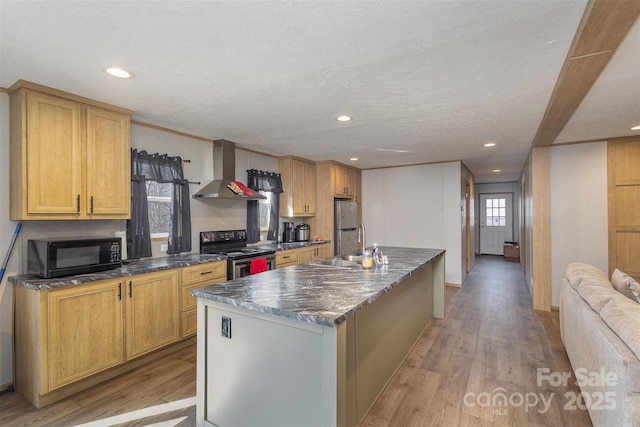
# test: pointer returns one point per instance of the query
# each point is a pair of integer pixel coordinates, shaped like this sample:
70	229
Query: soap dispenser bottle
377	255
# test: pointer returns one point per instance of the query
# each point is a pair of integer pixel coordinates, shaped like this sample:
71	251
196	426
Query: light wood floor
490	338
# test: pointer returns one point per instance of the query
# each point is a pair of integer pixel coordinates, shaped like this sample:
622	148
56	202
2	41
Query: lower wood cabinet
302	255
85	329
70	338
286	258
152	312
194	277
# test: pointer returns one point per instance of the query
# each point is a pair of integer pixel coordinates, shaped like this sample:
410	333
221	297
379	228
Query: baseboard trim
453	285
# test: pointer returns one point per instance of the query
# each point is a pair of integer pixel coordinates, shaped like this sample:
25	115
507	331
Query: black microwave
65	257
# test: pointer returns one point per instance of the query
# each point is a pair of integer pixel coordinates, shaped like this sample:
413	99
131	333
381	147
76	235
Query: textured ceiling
436	79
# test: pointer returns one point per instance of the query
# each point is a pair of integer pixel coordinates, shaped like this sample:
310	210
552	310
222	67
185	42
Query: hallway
490	341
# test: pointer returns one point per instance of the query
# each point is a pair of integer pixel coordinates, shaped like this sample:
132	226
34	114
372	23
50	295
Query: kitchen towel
258	265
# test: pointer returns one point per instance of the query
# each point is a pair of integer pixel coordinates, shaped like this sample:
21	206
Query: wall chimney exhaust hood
224	184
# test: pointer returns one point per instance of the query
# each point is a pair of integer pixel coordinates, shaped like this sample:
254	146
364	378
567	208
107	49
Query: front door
496	222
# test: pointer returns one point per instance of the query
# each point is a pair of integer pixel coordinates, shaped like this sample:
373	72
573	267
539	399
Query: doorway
496	222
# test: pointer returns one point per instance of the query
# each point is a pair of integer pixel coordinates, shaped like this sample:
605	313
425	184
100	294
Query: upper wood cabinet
344	181
69	156
299	182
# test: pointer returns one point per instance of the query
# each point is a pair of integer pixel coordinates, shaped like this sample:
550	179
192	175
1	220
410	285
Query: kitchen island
311	344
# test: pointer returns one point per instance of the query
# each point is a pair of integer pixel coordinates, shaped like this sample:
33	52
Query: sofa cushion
597	295
625	284
623	317
578	272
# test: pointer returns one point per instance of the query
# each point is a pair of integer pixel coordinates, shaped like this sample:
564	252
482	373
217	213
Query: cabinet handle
130	290
206	272
120	291
78	203
286	257
91	203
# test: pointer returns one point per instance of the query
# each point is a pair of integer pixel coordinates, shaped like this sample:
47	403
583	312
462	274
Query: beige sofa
600	329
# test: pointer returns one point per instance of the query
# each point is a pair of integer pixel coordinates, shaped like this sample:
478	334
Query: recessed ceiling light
490	144
635	128
497	170
353	159
120	73
343	118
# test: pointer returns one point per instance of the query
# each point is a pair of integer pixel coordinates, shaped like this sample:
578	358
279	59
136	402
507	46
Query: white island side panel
272	371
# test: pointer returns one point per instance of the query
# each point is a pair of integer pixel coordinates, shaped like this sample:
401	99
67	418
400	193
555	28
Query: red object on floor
258	265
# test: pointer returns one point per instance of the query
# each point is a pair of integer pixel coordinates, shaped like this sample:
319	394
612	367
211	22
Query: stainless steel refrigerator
346	224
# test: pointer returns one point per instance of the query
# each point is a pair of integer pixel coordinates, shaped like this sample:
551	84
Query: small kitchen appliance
49	258
303	232
233	245
289	233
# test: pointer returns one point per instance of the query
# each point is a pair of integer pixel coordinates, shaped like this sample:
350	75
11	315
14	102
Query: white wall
416	206
7	228
579	223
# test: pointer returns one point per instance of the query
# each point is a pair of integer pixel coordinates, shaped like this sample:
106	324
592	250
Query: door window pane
496	212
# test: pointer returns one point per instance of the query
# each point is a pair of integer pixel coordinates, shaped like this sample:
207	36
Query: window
496	210
159	206
264	211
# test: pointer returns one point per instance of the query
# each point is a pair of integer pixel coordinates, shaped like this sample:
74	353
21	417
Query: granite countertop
293	245
319	294
130	268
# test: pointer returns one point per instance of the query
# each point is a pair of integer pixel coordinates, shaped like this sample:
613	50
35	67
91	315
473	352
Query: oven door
242	267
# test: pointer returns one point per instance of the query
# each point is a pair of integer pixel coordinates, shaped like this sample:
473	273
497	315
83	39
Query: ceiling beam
604	25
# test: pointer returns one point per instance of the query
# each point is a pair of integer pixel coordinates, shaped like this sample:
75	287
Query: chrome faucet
362	236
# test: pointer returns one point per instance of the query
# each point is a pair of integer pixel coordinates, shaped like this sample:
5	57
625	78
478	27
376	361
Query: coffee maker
289	234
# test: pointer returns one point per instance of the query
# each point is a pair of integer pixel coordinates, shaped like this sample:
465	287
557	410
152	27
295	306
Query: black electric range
233	245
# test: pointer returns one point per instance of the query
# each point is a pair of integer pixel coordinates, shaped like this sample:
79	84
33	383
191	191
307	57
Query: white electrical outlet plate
164	247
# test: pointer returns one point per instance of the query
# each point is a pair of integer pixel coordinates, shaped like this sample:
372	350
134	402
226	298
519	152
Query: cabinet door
54	151
310	188
323	251
153	312
306	255
299	188
108	168
85	331
338	180
349	182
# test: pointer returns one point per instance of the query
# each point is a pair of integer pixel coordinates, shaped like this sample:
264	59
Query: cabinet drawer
286	258
189	301
204	272
189	323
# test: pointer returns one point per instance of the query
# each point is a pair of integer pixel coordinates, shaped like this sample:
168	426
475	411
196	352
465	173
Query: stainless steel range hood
224	175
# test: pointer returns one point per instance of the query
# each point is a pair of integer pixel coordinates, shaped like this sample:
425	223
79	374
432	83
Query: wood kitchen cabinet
73	337
85	332
193	277
328	176
286	258
343	181
312	253
302	255
152	312
299	182
69	156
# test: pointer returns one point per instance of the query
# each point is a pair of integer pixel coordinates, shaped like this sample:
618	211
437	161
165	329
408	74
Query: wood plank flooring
490	340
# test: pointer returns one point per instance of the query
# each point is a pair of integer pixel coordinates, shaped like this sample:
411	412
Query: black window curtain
161	168
263	181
